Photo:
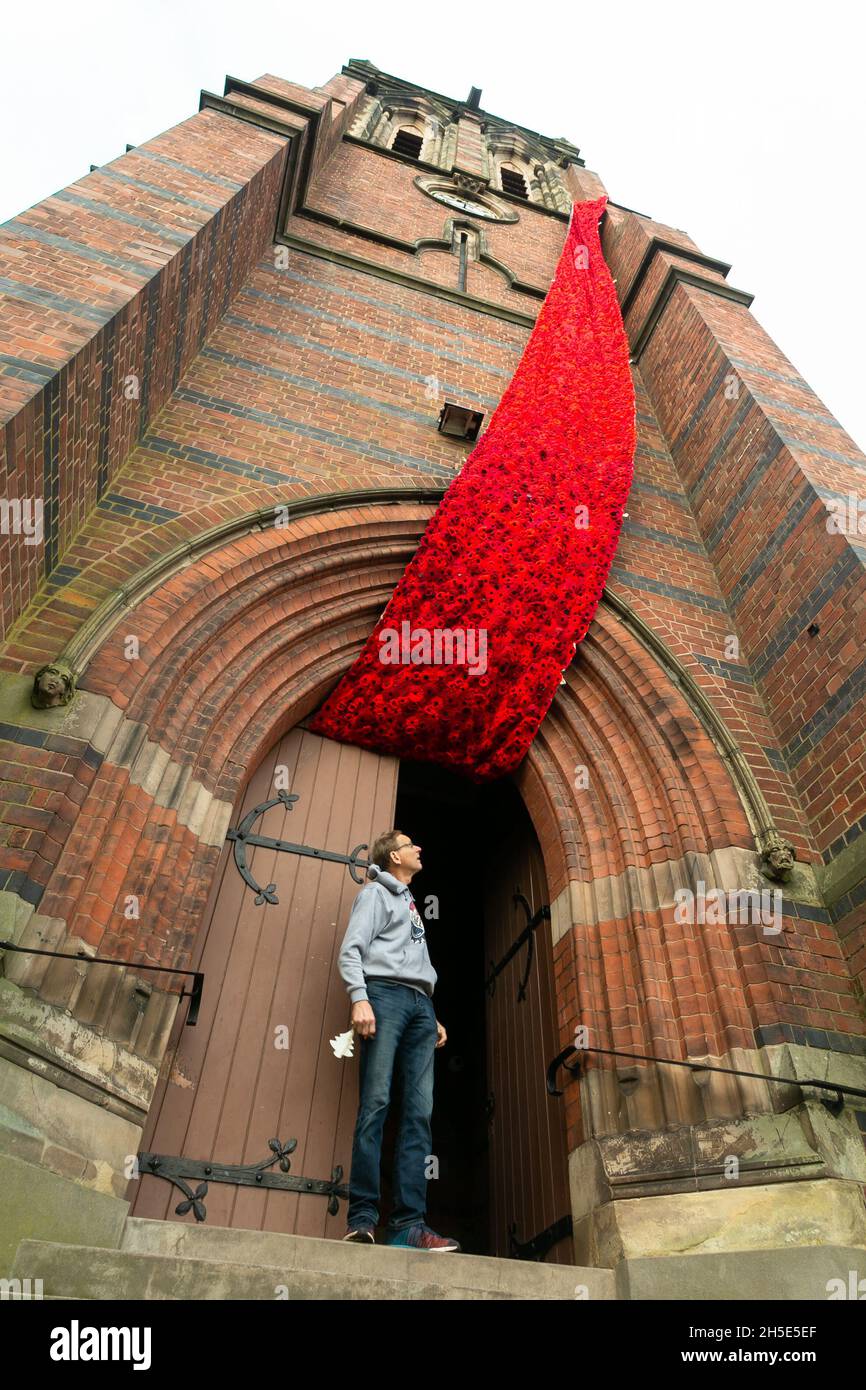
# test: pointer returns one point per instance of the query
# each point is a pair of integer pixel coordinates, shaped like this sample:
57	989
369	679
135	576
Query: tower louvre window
515	183
408	142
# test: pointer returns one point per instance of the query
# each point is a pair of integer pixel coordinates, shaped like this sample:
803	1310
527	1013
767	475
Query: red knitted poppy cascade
464	663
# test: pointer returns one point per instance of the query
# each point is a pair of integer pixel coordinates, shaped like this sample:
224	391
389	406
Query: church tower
240	366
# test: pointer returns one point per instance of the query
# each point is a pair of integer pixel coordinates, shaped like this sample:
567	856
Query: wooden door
230	1089
528	1154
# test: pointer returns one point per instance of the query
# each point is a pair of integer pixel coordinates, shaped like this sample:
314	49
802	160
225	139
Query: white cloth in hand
344	1044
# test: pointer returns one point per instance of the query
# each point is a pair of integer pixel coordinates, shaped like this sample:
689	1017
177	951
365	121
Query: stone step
37	1204
96	1273
46	1298
292	1253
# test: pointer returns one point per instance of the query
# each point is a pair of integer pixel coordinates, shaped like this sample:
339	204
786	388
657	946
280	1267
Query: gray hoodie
378	939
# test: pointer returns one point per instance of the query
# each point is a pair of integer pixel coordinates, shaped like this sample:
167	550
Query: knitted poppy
514	561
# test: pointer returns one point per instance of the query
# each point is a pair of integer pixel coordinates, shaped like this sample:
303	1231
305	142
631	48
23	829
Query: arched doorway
258	1066
663	798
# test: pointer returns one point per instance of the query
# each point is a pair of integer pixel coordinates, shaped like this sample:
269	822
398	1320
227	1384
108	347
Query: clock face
453	200
464	200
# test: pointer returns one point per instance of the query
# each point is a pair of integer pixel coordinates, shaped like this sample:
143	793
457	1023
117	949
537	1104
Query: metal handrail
835	1105
193	995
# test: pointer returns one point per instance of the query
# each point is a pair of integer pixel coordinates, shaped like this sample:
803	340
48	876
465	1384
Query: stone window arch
526	173
513	167
386	120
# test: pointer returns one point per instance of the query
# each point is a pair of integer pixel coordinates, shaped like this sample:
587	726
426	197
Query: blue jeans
404	1041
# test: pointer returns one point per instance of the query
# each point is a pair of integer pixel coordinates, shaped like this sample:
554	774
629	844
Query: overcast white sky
741	123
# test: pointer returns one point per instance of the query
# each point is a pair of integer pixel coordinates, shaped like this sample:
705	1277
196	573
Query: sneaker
361	1235
421	1237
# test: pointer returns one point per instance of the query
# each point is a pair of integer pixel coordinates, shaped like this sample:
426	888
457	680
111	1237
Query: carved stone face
777	857
781	858
51	686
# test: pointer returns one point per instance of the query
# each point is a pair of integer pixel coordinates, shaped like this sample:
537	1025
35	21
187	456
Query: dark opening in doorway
457	826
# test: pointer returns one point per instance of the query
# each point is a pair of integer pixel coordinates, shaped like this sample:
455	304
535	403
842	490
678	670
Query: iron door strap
176	1169
537	1247
242	836
528	936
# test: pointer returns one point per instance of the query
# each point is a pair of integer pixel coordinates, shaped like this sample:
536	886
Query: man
390	978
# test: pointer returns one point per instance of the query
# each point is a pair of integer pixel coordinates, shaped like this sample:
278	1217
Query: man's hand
442	1034
363	1019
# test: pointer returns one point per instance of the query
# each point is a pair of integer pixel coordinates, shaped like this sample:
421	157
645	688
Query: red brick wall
760	456
369	188
110	287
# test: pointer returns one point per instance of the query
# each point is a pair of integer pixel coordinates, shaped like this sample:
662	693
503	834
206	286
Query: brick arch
657	788
241	641
660	810
235	650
